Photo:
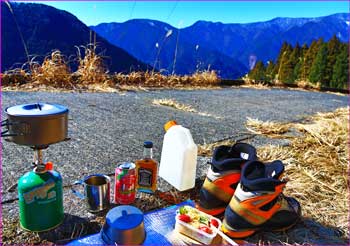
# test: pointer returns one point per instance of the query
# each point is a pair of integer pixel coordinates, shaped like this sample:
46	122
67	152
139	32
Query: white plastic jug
179	157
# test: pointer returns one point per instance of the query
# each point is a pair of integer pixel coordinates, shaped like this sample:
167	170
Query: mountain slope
139	37
44	29
240	42
264	39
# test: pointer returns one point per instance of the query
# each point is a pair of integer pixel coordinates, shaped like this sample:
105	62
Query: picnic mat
159	226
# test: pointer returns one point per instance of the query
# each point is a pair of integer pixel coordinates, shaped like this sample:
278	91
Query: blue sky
185	13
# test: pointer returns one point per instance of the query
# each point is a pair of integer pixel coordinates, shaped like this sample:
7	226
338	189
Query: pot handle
77	193
23	129
6	123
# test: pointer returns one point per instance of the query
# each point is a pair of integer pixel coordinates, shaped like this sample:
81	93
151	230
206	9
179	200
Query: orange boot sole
237	234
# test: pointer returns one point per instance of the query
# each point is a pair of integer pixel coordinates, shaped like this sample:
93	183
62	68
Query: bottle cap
49	166
169	124
148	144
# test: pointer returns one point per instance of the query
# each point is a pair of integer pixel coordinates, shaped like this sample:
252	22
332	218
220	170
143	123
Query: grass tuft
54	71
266	128
179	106
92	69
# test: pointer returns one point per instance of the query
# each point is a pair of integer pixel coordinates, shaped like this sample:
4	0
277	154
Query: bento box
196	224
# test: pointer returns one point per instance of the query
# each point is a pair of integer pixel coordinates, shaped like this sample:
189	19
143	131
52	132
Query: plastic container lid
36	109
124	217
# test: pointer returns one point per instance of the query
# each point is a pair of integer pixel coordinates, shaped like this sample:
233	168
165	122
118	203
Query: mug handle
77	193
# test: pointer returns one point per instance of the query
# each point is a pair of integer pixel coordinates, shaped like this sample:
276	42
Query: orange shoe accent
237	234
225	182
221	188
249	209
214	212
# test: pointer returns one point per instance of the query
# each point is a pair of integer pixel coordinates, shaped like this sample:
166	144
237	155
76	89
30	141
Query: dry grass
179	106
308	85
14	77
174	104
207	148
317	167
258	86
254	84
92	72
152	79
92	69
54	71
266	128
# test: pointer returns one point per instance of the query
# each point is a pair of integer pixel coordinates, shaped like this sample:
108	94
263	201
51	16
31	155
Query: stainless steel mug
97	189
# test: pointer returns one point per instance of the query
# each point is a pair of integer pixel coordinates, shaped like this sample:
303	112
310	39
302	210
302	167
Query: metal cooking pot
36	125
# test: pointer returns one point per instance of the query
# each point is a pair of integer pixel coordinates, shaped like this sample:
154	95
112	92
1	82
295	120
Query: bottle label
42	194
145	177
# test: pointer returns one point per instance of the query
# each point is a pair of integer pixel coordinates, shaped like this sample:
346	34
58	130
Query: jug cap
169	124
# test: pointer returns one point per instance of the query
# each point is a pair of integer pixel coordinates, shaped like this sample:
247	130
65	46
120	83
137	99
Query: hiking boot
258	202
223	176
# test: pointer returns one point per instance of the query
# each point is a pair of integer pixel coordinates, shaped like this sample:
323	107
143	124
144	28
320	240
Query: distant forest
323	63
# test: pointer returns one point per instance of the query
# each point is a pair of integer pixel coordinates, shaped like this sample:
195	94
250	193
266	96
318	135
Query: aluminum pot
36	125
124	225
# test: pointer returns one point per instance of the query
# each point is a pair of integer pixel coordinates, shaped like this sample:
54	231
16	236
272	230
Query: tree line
322	63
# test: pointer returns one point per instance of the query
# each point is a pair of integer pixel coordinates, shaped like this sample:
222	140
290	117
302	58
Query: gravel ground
109	128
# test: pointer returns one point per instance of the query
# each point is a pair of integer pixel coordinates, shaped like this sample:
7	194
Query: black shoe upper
257	176
232	157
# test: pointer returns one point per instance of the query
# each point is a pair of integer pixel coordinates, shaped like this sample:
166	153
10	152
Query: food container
124	225
193	232
36	124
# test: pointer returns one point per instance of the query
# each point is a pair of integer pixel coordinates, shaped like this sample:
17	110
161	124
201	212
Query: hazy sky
185	13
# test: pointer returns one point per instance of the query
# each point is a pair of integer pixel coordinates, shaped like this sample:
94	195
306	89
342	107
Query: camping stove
40	191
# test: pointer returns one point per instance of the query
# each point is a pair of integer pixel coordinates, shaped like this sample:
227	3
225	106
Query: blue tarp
158	224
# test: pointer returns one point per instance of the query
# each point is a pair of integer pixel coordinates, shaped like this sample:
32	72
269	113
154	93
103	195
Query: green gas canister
40	199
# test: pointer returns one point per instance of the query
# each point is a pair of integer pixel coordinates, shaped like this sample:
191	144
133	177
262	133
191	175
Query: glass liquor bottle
147	170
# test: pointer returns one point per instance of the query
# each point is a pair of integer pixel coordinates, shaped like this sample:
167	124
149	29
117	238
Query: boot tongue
256	176
230	158
256	171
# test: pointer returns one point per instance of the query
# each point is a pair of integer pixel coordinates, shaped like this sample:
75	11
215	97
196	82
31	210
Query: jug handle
77	193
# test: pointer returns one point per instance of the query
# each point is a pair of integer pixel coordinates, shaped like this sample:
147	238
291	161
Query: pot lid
36	109
124	218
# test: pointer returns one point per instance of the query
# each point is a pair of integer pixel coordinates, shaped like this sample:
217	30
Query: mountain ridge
42	34
244	43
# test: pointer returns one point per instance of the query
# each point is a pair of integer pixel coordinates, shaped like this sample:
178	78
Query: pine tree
340	77
284	47
298	67
318	69
285	72
258	72
270	72
290	76
309	58
333	50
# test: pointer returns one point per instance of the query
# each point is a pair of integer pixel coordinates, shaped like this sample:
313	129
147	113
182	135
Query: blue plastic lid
124	217
36	109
